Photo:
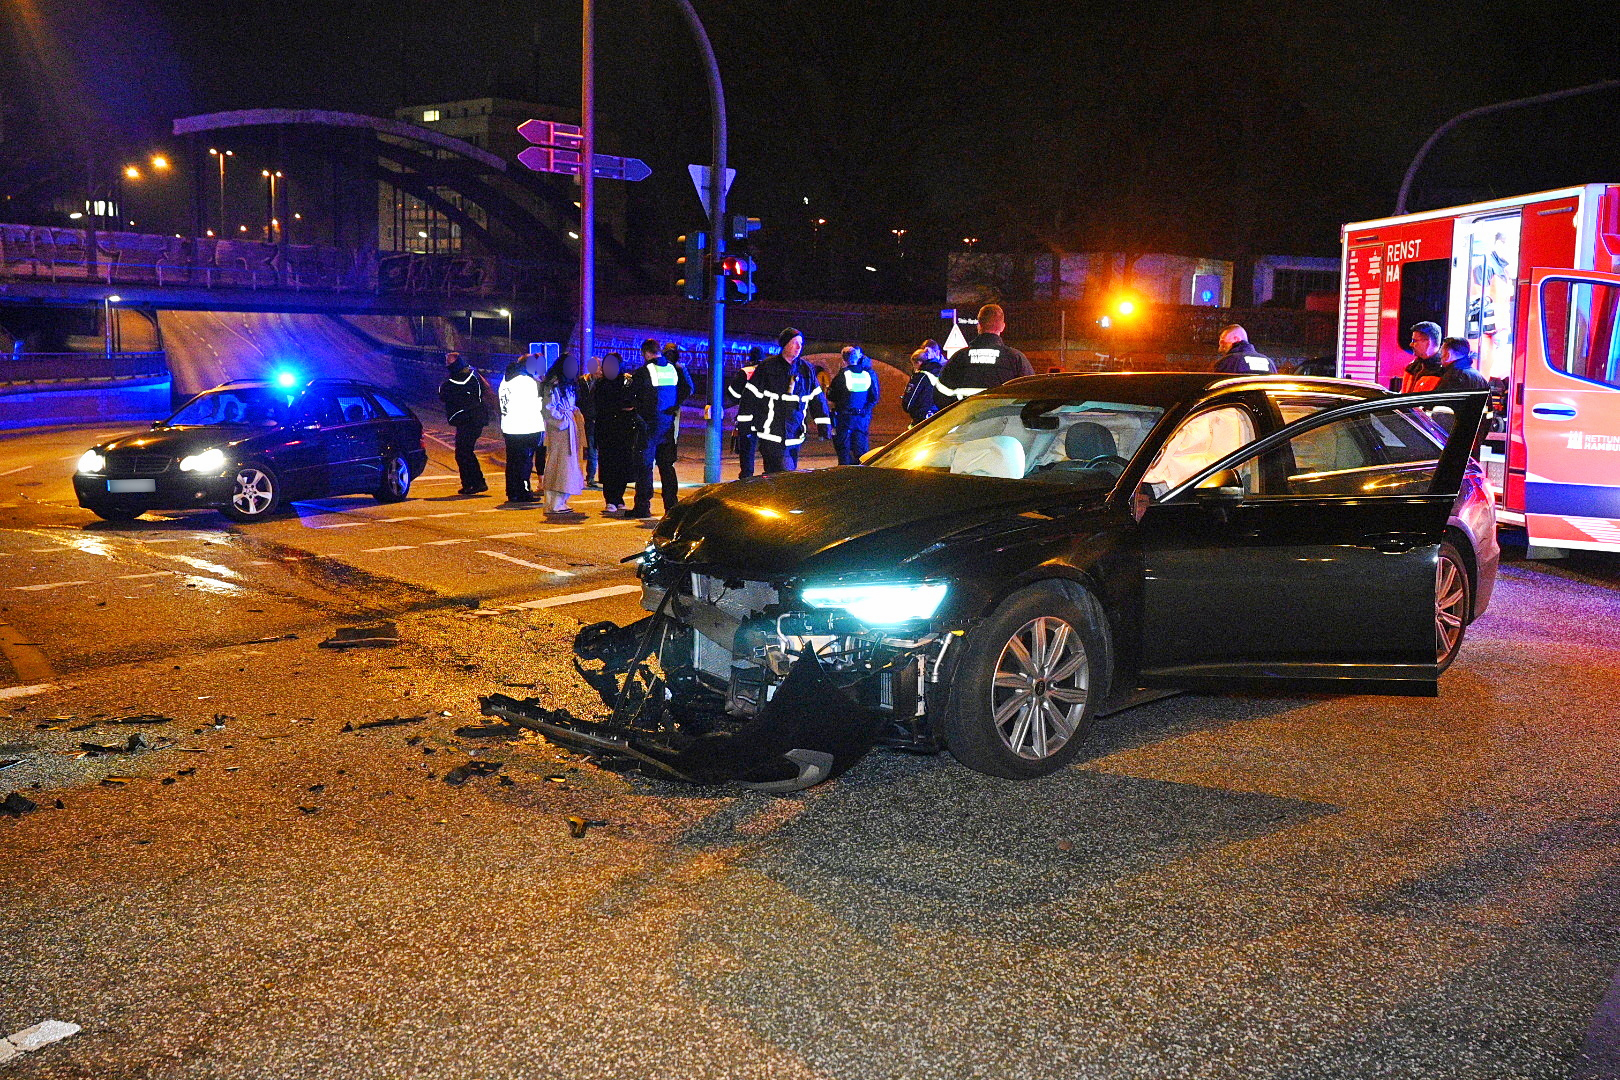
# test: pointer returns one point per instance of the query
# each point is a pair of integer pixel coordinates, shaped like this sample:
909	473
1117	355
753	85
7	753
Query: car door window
319	406
355	407
1199	442
1293	406
389	406
1393	451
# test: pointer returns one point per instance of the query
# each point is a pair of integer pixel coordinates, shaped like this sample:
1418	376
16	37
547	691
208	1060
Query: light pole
272	228
221	156
506	313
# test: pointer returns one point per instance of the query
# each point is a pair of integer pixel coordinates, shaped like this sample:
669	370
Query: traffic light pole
717	248
587	190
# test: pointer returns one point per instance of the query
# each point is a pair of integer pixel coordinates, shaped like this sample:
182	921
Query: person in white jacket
523	426
563	476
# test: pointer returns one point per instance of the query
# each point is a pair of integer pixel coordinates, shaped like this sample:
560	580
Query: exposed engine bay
736	680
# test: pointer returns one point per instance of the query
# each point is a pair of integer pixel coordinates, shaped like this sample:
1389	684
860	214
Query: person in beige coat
564	477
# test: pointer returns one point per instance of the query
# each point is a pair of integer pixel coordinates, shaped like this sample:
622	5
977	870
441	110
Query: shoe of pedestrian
593	485
565	515
612	508
638	512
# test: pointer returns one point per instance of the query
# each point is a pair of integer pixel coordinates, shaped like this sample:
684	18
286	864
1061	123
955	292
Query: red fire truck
1533	282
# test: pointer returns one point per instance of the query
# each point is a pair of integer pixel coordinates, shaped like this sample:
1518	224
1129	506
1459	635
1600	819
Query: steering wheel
1107	459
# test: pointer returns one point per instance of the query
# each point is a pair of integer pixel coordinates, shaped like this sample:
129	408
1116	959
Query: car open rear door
1306	560
1571	411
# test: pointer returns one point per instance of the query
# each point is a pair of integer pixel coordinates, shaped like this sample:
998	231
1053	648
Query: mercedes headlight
880	603
210	462
92	461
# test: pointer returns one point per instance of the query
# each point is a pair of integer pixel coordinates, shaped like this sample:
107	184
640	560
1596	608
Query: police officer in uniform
986	363
784	397
736	386
853	395
659	388
1238	357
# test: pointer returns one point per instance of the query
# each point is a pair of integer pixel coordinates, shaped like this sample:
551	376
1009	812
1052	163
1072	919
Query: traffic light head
742	226
691	268
738	273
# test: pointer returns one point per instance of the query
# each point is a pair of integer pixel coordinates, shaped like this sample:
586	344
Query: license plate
116	486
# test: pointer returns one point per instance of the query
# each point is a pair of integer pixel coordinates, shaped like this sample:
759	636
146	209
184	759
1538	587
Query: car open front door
1306	561
1571	411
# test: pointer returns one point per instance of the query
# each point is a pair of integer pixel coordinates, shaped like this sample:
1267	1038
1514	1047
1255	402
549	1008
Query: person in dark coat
659	389
1457	371
616	430
921	399
853	395
784	398
1238	357
986	363
467	398
747	439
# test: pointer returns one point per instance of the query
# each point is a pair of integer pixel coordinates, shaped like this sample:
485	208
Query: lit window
429	115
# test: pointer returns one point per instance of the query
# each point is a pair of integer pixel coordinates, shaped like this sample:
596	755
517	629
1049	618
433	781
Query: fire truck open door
1570	411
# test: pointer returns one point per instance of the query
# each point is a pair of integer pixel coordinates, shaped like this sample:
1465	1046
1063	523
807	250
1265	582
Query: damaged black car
1036	556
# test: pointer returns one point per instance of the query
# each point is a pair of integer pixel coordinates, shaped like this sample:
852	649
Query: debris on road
17	804
578	825
489	731
6	763
377	636
32	1038
132	718
136	743
462	773
391	721
271	640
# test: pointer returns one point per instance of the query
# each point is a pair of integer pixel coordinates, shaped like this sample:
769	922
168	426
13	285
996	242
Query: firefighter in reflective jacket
658	388
853	395
986	363
737	390
781	400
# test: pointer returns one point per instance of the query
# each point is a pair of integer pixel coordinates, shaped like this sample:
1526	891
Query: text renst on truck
1533	283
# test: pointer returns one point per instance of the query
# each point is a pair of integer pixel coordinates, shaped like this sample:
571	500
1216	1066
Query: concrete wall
139	400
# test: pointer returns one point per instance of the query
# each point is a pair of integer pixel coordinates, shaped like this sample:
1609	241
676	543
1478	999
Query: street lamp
272	229
159	162
970	241
221	156
506	313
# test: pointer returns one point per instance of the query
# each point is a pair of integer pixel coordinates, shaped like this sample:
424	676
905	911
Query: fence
80	367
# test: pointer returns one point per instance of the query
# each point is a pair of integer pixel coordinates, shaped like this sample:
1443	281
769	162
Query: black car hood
180	441
849	520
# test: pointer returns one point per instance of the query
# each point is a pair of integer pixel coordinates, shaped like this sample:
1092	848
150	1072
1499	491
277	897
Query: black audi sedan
1034	555
249	448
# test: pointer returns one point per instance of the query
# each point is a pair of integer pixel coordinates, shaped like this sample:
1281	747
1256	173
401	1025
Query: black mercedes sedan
1035	555
249	448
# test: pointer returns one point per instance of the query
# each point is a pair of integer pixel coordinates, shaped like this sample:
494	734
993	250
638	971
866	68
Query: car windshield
251	406
1050	440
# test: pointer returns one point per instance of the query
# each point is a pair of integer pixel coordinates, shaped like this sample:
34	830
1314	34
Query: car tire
396	479
1053	639
255	493
114	513
1453	603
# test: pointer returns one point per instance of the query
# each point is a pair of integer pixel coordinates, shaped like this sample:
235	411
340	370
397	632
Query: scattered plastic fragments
17	804
462	773
32	1038
489	731
376	636
136	742
6	763
133	718
578	825
271	640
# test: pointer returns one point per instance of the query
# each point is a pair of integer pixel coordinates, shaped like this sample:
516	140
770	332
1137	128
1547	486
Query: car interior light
92	461
880	604
211	460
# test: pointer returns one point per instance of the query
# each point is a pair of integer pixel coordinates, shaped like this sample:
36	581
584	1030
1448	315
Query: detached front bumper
171	490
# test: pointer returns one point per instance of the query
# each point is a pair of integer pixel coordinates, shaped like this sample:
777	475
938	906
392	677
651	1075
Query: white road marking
9	692
574	598
391	547
341	525
18	469
525	562
452	513
436	478
445	543
48	585
165	540
157	573
507	536
261	562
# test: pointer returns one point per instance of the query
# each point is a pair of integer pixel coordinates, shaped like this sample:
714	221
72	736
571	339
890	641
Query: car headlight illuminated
210	461
880	604
92	461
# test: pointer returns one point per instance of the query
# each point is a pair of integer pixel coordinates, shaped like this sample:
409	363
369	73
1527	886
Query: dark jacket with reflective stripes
985	364
854	391
737	392
659	390
781	399
1244	359
466	398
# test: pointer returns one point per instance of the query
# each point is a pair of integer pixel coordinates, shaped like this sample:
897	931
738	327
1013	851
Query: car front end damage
777	685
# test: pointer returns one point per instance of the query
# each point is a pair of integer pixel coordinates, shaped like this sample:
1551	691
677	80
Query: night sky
1206	128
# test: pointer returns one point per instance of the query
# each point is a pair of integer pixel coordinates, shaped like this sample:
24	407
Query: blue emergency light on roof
286	379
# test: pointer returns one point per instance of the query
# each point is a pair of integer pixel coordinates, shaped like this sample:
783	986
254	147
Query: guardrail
76	256
80	367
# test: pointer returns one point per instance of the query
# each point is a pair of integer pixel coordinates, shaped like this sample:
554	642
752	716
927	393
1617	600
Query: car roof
1167	388
265	384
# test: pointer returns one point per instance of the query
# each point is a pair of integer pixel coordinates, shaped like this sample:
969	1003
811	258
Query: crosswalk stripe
574	598
525	562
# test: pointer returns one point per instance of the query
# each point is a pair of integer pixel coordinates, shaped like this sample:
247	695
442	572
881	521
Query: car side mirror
307	425
1222	489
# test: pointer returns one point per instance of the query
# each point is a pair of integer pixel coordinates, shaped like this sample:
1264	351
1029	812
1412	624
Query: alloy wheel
1450	606
1038	696
254	492
397	479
